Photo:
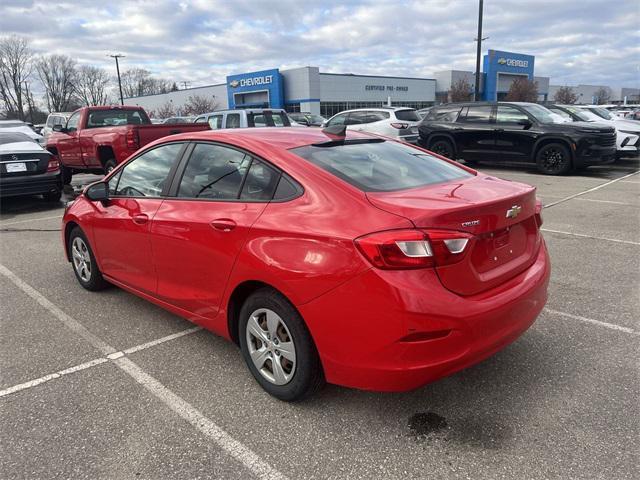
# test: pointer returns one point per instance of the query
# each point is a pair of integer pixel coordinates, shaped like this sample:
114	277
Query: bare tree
565	95
522	90
460	91
91	85
603	95
58	75
197	105
165	111
138	81
16	67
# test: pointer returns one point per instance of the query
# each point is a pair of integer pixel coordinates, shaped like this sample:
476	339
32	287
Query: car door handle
458	129
498	129
223	224
140	218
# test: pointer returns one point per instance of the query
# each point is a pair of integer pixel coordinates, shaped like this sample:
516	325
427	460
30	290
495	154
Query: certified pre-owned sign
251	82
512	62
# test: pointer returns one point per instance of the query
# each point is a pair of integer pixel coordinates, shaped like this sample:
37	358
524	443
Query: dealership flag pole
476	94
117	56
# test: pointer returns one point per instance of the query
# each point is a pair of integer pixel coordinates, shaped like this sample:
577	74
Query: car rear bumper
30	184
399	330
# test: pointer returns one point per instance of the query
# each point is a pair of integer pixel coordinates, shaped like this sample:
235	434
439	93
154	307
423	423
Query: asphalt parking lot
106	385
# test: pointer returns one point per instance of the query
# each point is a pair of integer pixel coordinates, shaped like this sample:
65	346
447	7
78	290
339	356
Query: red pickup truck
96	139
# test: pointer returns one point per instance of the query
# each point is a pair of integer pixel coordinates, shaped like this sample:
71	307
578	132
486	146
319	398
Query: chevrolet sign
251	82
511	62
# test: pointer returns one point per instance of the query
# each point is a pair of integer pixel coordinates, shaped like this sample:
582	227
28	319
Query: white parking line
186	411
612	326
2	224
591	189
628	242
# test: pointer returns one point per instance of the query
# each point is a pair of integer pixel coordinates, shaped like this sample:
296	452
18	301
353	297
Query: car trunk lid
500	215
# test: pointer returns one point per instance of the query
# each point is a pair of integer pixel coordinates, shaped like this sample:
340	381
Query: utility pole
185	84
117	56
476	94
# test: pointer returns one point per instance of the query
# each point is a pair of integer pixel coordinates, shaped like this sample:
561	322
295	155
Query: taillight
53	165
538	213
407	249
400	126
132	140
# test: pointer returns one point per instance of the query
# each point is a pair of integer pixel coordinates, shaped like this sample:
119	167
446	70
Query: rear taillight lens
400	126
407	249
538	213
53	165
131	137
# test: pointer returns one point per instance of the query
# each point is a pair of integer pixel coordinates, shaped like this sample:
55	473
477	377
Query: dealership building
307	89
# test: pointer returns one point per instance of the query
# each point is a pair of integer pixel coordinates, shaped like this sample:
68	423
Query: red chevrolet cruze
360	260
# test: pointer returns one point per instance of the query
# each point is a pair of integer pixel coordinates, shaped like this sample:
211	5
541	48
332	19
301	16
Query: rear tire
52	196
553	159
84	262
270	326
67	175
442	147
109	165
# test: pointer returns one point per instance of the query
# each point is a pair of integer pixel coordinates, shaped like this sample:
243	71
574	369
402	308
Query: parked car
307	119
59	118
178	120
423	112
245	118
18	126
627	133
395	122
359	260
27	169
516	132
96	139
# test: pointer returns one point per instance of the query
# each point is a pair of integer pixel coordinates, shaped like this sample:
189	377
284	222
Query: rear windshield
408	115
381	166
14	137
110	118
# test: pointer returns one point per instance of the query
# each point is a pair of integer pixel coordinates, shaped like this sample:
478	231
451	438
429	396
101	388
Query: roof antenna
335	130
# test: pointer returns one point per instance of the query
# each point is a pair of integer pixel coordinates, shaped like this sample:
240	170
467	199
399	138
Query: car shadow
14	206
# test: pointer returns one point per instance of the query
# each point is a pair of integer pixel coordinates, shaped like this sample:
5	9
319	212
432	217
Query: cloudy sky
202	41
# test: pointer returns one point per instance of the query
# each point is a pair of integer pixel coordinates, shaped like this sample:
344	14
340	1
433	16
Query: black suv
516	132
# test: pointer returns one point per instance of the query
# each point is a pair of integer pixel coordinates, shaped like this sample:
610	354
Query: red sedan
357	260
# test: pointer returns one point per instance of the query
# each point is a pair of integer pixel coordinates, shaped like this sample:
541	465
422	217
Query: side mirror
98	192
526	123
58	128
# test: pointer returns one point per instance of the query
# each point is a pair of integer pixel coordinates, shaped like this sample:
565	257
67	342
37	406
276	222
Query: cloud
202	41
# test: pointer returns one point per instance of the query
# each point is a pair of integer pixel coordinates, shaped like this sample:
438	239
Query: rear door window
233	120
477	114
374	116
260	183
356	118
511	115
215	122
381	165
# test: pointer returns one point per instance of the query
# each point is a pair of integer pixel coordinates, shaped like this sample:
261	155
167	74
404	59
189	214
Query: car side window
506	114
146	175
287	188
477	114
200	120
233	120
337	120
356	118
72	123
377	116
260	183
214	172
50	121
562	113
215	122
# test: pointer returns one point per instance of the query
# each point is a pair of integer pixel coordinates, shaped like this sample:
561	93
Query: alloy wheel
553	159
81	259
270	346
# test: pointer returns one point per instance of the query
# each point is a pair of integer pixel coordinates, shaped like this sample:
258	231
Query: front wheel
553	159
109	165
84	262
442	147
278	348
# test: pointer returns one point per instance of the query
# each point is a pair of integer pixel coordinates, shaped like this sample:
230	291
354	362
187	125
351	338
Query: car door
338	119
121	226
357	121
473	132
198	231
514	135
69	143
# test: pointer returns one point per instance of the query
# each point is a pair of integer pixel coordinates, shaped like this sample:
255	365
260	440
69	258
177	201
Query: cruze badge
514	211
471	223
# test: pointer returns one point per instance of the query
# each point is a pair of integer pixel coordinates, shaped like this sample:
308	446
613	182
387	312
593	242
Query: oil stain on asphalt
425	423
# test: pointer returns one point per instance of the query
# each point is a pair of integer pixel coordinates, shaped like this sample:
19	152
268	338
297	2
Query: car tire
52	196
443	147
553	159
67	175
269	325
84	262
109	165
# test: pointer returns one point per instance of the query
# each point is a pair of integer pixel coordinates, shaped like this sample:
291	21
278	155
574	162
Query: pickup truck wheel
67	174
442	147
109	165
553	159
52	196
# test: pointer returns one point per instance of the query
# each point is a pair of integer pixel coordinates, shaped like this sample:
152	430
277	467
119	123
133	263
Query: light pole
117	56
476	94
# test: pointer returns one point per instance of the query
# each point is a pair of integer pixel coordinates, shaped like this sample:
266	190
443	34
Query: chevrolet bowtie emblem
514	211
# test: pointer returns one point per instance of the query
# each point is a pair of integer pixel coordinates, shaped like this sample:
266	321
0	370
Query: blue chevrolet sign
256	89
508	63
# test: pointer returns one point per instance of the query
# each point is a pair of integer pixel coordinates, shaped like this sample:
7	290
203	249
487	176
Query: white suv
396	122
